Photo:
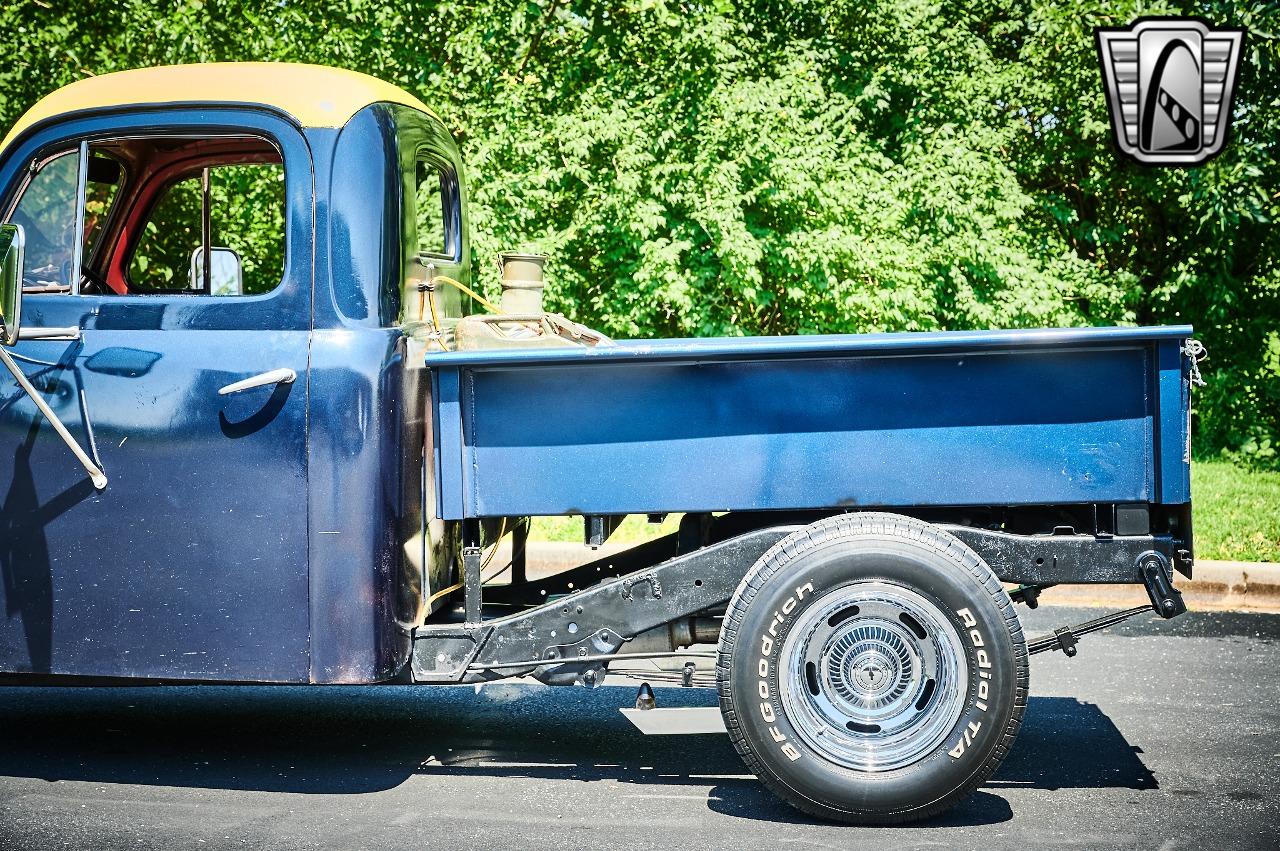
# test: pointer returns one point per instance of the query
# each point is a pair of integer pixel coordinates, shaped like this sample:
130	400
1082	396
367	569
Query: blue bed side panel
655	427
447	451
1173	424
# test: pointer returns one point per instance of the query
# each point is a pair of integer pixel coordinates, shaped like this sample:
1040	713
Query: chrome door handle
275	376
26	332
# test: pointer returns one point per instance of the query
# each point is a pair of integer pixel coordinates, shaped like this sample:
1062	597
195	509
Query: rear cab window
430	210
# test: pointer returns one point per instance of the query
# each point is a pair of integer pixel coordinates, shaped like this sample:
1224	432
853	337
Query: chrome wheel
875	676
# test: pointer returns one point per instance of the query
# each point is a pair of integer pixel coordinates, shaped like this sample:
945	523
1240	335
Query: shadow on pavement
753	801
1065	743
351	740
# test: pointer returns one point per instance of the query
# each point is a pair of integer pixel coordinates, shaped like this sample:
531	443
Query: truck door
188	381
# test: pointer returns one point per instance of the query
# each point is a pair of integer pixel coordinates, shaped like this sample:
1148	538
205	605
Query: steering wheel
98	284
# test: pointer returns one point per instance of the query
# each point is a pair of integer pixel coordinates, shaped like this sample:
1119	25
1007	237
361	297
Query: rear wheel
872	669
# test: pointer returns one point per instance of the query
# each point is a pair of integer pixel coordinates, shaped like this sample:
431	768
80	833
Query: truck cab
271	533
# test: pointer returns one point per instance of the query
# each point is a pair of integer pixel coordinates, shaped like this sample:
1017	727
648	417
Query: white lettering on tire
984	682
780	617
966	739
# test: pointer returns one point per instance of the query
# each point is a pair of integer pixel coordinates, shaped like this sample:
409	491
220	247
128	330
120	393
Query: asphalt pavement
1157	735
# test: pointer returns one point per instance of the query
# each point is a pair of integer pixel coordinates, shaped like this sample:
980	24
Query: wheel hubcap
874	676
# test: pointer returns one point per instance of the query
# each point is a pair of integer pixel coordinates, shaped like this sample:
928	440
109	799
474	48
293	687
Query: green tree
793	167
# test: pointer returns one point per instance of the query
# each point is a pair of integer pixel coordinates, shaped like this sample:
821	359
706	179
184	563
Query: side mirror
226	275
13	244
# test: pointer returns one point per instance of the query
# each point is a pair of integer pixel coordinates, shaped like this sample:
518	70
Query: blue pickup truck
262	428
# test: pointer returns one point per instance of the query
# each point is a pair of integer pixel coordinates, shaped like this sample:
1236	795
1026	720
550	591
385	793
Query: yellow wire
488	305
502	530
435	320
486	579
442	592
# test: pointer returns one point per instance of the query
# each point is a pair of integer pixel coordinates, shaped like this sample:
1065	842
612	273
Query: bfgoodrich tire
871	669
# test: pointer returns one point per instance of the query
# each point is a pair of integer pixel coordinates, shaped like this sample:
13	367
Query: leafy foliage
793	167
246	204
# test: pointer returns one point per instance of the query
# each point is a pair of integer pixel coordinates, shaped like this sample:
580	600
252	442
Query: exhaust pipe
672	636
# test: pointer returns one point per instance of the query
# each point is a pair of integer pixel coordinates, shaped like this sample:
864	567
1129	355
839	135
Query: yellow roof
315	95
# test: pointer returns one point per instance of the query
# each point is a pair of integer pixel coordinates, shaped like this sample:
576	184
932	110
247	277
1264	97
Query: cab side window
246	218
151	206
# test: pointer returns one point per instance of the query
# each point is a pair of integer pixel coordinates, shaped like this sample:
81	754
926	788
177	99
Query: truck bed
878	420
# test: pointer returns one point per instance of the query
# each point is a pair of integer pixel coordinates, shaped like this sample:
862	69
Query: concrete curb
1217	586
1251	582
